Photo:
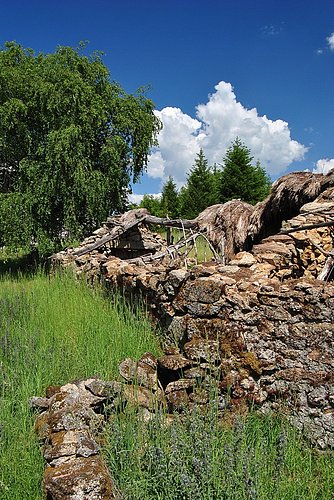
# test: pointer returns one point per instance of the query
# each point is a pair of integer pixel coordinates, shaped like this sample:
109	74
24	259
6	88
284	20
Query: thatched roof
287	196
226	225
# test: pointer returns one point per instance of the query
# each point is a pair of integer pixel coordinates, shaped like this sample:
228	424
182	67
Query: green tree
216	182
70	142
152	204
169	206
239	179
199	191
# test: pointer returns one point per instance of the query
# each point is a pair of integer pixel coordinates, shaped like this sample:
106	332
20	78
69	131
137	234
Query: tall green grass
52	330
199	458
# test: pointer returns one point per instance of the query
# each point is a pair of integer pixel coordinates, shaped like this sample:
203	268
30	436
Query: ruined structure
260	315
257	320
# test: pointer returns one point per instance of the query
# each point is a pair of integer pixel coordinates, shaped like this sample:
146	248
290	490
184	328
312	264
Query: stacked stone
174	380
273	341
266	318
313	245
73	415
136	242
68	425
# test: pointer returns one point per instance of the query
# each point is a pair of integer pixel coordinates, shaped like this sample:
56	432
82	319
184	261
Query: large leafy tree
199	191
239	178
70	142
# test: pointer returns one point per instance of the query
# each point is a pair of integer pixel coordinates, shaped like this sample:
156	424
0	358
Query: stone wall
68	426
272	342
260	326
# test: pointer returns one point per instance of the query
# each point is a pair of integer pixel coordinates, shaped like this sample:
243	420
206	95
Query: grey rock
318	397
103	389
70	443
80	479
141	373
202	349
39	403
177	277
178	385
174	362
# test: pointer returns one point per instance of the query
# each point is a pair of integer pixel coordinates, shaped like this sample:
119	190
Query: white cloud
156	166
136	198
178	145
219	121
330	40
323	166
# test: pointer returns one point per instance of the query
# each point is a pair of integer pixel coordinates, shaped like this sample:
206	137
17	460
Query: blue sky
262	70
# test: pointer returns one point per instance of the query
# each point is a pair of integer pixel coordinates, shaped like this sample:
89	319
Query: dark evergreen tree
169	206
241	180
199	192
216	182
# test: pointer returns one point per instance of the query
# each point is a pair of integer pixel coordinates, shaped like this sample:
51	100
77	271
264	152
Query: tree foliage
206	185
199	191
152	203
239	179
169	205
70	142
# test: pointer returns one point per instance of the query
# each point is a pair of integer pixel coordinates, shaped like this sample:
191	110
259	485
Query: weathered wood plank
125	223
328	269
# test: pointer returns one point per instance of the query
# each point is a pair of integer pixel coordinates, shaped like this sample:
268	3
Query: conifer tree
241	180
169	206
199	192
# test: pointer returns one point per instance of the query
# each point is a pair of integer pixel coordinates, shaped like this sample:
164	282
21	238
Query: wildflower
281	444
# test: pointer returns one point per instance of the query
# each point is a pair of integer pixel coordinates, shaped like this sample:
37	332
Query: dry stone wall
261	326
68	426
270	342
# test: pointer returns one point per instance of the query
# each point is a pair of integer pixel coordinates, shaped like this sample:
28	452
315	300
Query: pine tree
216	182
169	206
241	180
199	192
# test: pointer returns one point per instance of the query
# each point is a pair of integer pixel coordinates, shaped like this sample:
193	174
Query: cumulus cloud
330	40
323	166
218	122
156	166
178	145
136	198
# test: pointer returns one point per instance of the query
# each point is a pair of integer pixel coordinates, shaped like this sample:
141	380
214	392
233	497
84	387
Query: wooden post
169	235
